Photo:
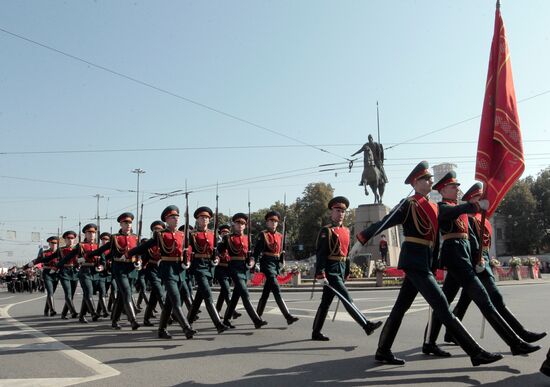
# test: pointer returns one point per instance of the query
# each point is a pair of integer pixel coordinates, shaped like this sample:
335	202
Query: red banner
500	160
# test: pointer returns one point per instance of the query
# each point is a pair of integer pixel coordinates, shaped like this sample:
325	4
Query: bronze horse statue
372	177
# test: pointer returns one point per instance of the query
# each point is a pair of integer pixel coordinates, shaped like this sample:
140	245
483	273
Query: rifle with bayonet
185	261
137	264
216	224
282	256
249	236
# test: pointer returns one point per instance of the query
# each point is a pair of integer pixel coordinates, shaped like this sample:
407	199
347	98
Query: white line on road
101	370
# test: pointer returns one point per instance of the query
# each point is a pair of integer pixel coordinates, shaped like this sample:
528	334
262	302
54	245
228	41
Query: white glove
215	262
158	262
484	204
185	266
252	263
480	267
99	268
81	260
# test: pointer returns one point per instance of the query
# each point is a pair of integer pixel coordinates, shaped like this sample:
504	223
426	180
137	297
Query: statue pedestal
365	215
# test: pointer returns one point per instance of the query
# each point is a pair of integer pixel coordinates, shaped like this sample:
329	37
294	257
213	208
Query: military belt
223	264
336	258
49	267
485	248
68	265
88	264
203	256
124	260
454	235
271	254
420	241
238	258
170	259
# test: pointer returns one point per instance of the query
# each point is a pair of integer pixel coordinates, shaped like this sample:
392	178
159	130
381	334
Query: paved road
35	350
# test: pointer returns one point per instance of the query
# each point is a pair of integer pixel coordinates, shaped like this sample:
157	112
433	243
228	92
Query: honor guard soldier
240	262
151	260
203	260
87	272
68	274
484	272
268	251
104	277
221	274
456	257
49	259
332	266
418	259
173	260
123	267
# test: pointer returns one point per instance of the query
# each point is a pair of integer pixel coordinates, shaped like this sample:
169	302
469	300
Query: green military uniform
68	276
123	269
456	257
49	260
485	274
332	265
420	226
202	263
236	245
171	250
268	251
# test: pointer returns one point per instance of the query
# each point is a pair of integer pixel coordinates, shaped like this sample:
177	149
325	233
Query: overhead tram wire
221	147
463	121
170	93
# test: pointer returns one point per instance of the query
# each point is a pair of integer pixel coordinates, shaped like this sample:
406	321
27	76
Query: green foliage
523	233
311	210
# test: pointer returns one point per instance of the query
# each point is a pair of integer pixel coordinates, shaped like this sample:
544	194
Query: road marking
101	370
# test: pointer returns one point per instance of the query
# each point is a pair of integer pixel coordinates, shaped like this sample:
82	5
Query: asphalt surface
43	351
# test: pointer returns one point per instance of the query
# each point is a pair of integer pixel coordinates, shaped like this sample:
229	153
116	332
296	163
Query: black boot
258	322
177	312
131	314
192	315
72	309
102	308
64	312
91	308
545	367
385	342
387	357
517	345
429	349
370	327
47	307
320	317
213	313
163	334
115	315
523	333
81	318
110	302
290	319
478	355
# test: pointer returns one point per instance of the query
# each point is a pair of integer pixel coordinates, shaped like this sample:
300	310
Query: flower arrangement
514	261
494	262
355	271
531	261
379	266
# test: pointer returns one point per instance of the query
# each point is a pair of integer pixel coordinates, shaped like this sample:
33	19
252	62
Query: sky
253	95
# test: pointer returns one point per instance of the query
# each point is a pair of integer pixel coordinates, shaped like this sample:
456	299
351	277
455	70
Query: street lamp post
62	217
137	171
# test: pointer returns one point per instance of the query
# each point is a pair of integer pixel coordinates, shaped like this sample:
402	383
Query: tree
541	192
312	214
519	208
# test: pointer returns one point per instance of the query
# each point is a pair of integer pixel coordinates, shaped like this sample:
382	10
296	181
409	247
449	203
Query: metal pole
378	121
137	171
